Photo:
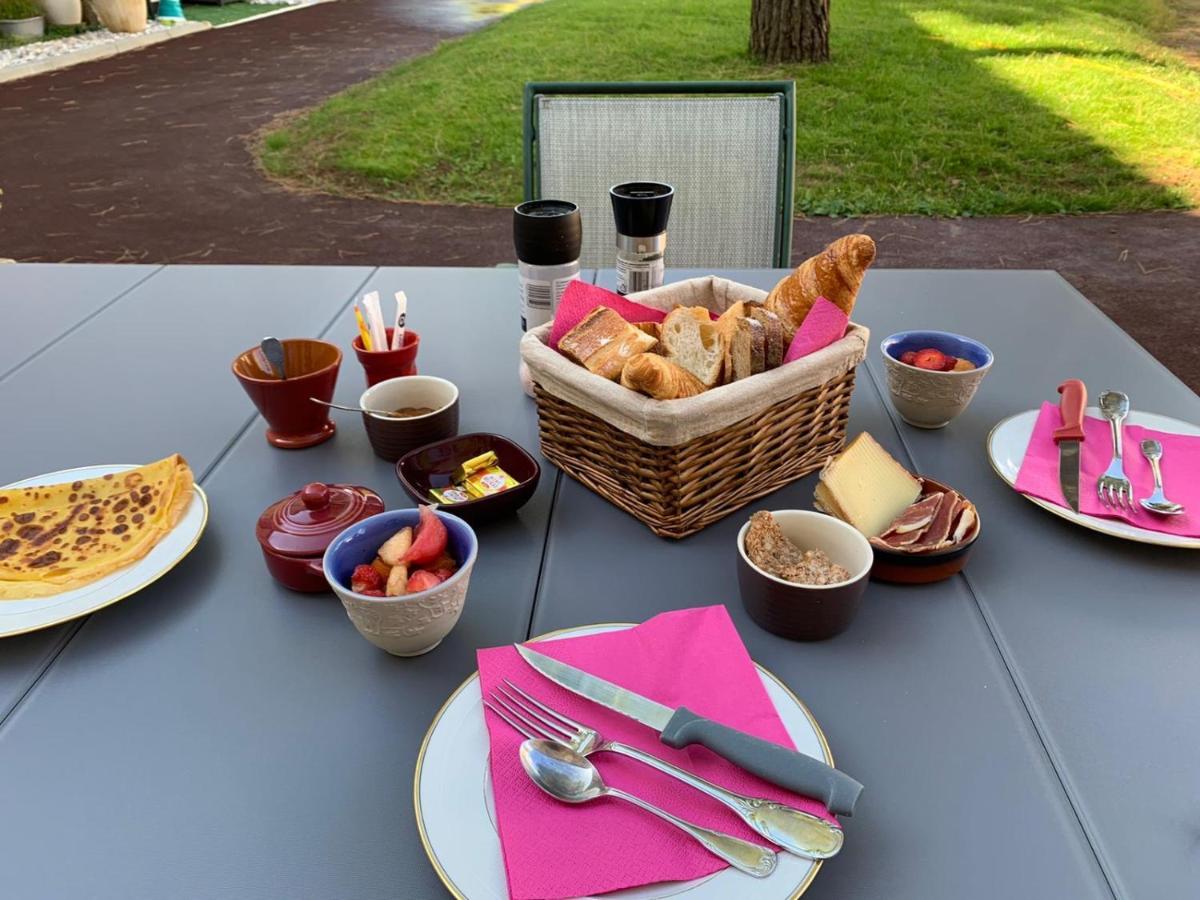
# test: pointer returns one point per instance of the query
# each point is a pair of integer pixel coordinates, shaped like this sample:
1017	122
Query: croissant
658	377
835	274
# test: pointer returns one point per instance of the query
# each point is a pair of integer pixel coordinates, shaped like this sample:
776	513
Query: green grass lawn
233	12
957	107
53	33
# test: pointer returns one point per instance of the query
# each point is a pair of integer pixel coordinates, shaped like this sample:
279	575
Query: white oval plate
1006	450
20	616
453	797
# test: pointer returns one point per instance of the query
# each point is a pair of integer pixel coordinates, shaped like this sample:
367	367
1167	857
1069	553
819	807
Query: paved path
144	158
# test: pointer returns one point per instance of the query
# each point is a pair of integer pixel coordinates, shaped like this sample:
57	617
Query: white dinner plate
1006	450
452	793
20	616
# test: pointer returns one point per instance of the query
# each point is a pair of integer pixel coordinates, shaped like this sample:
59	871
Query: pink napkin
824	324
579	299
691	657
1180	468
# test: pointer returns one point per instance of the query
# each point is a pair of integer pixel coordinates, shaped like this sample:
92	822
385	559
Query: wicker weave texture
677	491
721	153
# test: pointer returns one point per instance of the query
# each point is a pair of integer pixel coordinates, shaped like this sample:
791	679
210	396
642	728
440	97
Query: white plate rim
444	877
198	496
1112	527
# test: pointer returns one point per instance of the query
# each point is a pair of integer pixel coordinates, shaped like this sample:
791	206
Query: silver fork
792	829
1113	486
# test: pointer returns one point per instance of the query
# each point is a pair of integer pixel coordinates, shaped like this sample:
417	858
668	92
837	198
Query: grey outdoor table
1024	730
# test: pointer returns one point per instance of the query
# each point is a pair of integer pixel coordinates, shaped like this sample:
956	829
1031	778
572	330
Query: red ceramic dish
295	531
293	421
433	465
380	365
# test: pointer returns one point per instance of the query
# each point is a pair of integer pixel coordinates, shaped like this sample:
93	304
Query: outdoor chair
727	147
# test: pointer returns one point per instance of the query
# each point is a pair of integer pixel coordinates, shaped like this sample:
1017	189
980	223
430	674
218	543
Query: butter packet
450	495
482	461
492	480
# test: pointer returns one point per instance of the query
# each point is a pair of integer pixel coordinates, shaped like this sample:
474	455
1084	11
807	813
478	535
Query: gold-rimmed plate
452	794
1006	446
21	616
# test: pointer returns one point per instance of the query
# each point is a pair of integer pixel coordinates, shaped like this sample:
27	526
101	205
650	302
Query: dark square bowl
433	465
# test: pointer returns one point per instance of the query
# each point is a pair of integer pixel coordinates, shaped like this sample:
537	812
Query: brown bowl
806	612
923	568
311	366
390	437
433	466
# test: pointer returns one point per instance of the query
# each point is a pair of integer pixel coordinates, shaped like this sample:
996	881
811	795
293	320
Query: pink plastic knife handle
1071	406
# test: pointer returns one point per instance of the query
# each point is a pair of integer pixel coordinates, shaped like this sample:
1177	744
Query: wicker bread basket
680	465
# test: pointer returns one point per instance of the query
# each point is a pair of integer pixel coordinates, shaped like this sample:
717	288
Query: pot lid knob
315	495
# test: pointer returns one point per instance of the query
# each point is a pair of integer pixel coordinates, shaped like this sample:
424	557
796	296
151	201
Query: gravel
15	56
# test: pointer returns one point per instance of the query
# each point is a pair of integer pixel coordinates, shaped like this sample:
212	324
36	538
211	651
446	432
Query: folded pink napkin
1180	467
824	324
579	299
691	657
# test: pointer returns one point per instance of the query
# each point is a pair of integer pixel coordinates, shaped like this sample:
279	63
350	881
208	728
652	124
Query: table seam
1018	683
108	304
76	625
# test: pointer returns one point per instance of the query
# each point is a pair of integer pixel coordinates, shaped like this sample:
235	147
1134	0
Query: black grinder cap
547	232
641	208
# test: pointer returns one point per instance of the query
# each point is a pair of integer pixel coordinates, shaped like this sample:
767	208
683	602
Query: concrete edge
103	51
275	12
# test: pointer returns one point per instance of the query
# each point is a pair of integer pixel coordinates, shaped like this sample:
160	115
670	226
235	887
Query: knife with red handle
1070	406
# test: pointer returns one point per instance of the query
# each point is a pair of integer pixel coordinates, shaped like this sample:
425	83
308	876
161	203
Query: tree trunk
790	30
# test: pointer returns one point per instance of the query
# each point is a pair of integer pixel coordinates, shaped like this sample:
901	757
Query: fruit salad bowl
438	554
933	375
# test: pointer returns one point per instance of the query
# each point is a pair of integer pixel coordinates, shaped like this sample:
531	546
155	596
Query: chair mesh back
720	152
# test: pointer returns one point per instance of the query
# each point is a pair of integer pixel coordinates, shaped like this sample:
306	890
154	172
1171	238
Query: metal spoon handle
792	829
742	855
272	349
338	405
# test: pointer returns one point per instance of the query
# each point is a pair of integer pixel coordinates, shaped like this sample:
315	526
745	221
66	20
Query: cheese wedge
866	487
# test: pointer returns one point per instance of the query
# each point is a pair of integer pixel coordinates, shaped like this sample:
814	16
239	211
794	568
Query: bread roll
659	378
835	274
603	342
692	341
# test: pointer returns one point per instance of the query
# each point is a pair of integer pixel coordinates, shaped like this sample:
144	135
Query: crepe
58	537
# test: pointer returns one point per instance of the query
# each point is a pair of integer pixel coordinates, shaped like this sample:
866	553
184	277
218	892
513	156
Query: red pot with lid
295	531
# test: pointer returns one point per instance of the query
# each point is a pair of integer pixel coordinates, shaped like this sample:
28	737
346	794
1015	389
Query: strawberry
430	540
365	579
422	580
908	357
371	592
931	359
951	362
443	574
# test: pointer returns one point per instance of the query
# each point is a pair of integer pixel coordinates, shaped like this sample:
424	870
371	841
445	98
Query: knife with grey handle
680	728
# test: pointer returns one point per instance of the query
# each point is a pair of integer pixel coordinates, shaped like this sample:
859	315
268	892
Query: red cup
293	420
380	365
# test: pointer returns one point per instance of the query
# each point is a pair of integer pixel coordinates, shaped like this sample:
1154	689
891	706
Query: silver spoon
273	350
565	775
377	412
1158	502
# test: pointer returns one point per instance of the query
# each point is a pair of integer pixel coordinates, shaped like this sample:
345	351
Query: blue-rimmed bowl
929	399
411	624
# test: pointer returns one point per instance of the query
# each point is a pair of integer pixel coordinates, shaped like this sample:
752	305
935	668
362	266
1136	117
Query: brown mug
293	420
393	437
380	365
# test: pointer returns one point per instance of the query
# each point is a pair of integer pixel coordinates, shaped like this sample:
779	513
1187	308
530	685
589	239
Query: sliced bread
693	342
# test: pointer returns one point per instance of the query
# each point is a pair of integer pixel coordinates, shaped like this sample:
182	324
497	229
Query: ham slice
939	529
911	523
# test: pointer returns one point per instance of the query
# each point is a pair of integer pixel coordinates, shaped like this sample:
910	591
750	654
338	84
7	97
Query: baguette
658	377
693	342
603	342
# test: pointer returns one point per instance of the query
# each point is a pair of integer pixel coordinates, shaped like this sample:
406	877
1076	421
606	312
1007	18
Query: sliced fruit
397	582
394	548
908	357
445	561
443	574
963	365
372	592
382	568
364	579
930	359
950	363
430	540
422	580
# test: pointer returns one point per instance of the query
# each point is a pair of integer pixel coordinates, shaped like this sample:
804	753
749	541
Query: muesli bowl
806	612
